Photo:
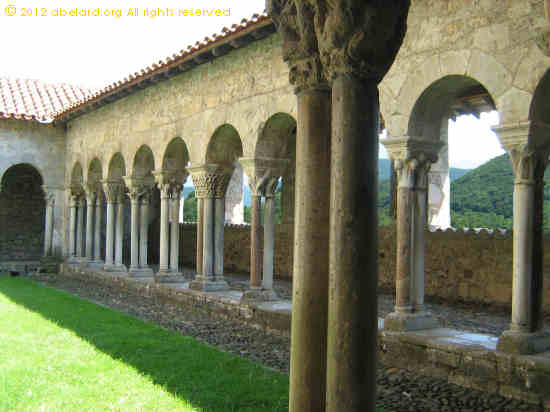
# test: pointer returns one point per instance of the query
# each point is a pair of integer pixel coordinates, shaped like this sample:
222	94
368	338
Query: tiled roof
36	100
203	51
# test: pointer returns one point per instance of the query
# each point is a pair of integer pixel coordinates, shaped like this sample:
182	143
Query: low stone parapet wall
459	266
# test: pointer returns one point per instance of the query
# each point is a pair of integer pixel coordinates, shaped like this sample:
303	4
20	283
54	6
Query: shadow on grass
199	374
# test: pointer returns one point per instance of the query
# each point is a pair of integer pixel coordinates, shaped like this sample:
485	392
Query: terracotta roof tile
36	100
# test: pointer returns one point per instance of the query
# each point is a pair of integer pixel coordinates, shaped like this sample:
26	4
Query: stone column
200	220
73	202
98	226
439	183
164	222
412	159
234	206
111	189
134	194
219	236
144	235
526	334
49	197
80	229
354	61
269	240
263	176
175	230
90	209
120	233
210	182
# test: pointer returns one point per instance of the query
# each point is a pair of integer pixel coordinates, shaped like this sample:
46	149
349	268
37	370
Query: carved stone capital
295	23
210	180
112	190
263	174
412	159
529	159
91	193
358	37
49	196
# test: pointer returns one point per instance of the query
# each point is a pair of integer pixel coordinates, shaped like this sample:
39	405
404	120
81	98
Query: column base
141	272
259	295
208	284
116	269
49	264
169	277
96	264
523	343
408	322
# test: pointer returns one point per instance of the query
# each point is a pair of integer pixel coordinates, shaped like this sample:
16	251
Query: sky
93	51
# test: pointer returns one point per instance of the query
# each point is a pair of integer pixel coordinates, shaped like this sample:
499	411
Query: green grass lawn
62	353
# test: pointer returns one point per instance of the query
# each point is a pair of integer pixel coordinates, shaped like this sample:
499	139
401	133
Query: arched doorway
22	213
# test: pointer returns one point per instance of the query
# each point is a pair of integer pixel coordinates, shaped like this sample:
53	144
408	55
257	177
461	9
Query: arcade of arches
297	96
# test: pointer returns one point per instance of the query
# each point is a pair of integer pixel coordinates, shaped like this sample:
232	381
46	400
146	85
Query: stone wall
459	266
43	148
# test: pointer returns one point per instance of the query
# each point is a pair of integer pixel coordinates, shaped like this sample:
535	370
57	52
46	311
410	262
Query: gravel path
398	390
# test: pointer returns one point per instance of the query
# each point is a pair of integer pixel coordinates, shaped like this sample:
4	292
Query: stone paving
398	390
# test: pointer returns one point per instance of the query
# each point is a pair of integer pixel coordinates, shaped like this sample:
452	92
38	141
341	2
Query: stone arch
95	171
225	146
277	137
117	167
398	97
77	175
446	95
144	163
22	213
176	155
539	113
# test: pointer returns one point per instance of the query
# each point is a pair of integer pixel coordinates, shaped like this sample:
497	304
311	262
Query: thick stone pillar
439	183
80	229
175	230
526	334
49	197
234	205
210	182
144	233
119	244
412	159
90	209
263	177
111	189
98	226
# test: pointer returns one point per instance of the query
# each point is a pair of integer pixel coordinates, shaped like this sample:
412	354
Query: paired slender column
144	235
90	208
134	231
72	226
200	232
175	230
48	229
211	181
120	233
219	236
98	226
263	177
269	237
164	222
412	160
111	190
80	228
526	334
